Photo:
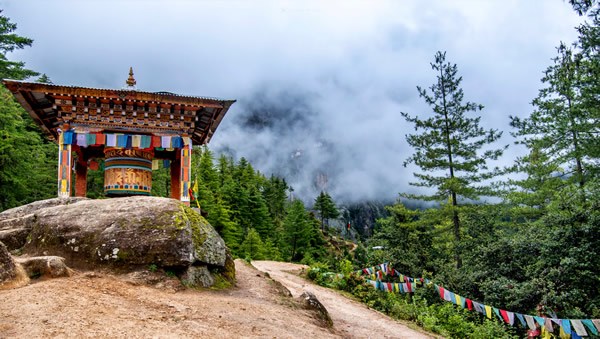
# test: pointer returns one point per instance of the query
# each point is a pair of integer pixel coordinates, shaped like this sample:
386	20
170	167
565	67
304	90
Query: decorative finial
131	80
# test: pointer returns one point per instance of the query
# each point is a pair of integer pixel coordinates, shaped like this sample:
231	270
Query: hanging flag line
120	140
574	328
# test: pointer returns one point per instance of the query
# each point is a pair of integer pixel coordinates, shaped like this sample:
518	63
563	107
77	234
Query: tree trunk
456	222
455	219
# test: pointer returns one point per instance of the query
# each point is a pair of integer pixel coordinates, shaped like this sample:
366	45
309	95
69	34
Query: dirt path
350	318
98	305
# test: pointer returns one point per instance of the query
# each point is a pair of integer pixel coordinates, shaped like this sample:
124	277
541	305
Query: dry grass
20	280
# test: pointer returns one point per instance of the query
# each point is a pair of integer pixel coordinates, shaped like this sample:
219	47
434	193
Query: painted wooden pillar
81	169
176	179
64	163
186	170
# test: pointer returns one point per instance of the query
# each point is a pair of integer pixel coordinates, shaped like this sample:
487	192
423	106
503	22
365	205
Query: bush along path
422	301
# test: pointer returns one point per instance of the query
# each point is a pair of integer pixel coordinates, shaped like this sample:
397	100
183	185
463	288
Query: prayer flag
136	141
539	320
81	140
504	316
156	141
121	140
488	311
579	328
511	317
90	139
548	325
497	312
590	325
566	326
530	322
68	137
469	304
165	141
100	139
521	319
111	140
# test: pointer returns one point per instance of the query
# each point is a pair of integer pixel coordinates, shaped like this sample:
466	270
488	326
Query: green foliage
297	230
562	126
27	161
251	212
252	248
448	145
9	41
326	207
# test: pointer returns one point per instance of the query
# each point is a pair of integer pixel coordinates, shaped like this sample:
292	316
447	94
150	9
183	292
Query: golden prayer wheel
127	171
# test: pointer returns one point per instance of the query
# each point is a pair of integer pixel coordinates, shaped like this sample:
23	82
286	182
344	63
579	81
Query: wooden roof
119	110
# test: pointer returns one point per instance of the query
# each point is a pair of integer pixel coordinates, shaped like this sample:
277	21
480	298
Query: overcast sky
320	84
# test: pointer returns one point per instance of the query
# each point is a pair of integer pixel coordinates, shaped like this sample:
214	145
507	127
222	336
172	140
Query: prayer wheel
127	171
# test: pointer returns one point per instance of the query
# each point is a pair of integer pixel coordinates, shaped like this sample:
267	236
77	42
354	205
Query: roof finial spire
131	80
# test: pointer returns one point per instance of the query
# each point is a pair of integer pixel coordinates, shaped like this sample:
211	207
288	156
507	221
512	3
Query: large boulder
16	223
120	233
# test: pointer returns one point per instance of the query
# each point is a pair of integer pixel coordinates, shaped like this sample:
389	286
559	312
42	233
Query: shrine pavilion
127	128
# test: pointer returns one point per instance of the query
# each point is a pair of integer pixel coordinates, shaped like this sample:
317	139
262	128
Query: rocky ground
91	304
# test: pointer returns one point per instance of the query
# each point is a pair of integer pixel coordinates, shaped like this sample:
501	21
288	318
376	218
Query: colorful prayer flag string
573	328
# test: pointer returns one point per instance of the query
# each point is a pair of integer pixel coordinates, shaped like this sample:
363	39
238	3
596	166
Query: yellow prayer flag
488	311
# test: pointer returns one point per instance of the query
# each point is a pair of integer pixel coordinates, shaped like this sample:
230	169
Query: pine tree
562	126
252	247
272	252
531	194
297	230
10	41
448	145
275	194
326	207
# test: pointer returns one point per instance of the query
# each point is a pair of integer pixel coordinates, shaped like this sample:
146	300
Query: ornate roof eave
41	109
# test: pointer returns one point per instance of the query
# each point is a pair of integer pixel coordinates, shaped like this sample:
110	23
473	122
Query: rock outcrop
46	266
8	270
119	233
311	302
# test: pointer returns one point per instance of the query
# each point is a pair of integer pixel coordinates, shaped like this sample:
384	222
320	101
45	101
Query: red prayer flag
156	142
100	139
505	316
441	292
469	304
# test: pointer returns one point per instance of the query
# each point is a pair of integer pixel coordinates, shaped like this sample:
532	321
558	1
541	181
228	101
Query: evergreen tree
9	41
272	252
448	144
326	207
530	195
252	248
562	127
275	194
44	79
297	230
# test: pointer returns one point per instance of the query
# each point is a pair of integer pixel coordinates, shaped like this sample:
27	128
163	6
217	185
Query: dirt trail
98	305
350	318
